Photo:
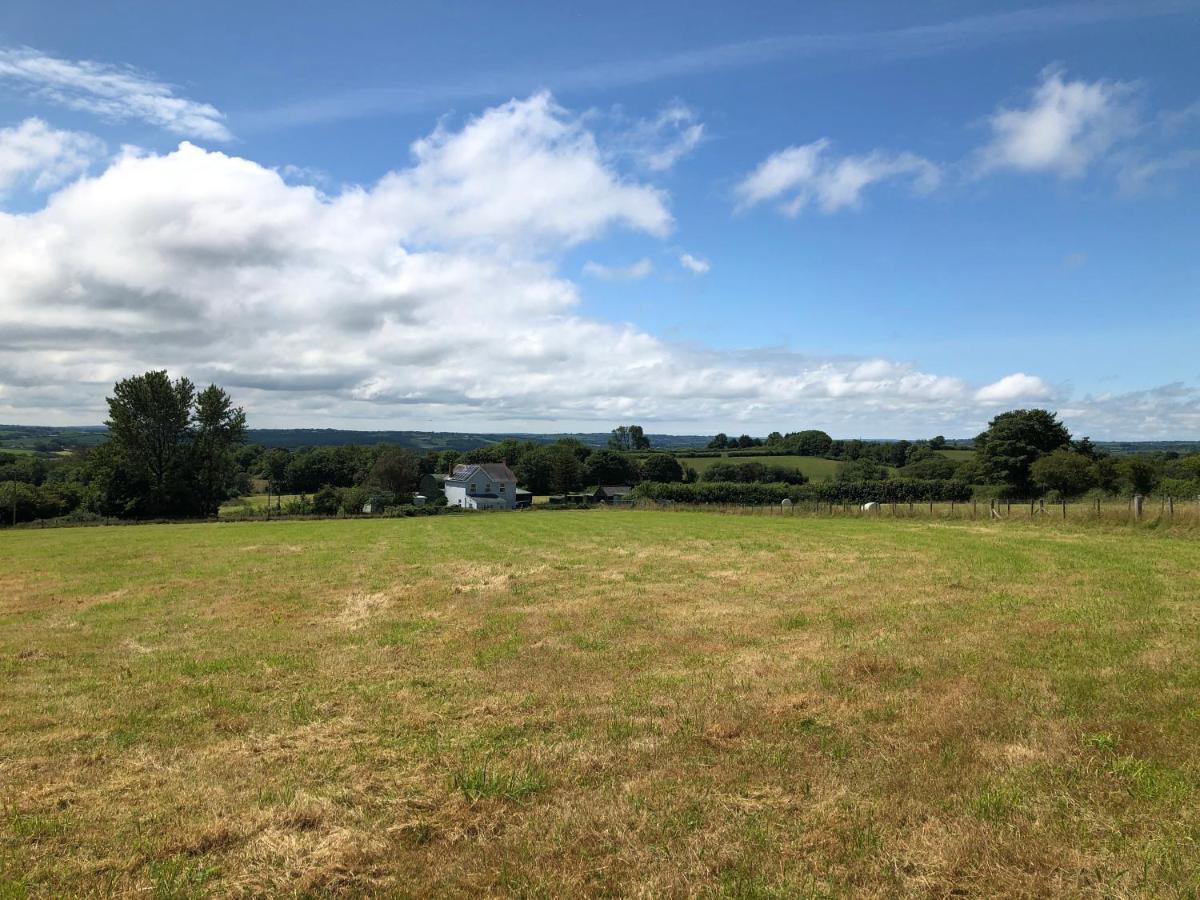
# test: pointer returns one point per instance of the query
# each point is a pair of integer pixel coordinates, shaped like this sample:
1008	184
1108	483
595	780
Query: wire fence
1113	510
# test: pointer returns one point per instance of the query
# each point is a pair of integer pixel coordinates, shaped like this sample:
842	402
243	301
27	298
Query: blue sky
879	219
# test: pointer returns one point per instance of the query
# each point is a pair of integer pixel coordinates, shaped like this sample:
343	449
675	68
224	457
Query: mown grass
600	703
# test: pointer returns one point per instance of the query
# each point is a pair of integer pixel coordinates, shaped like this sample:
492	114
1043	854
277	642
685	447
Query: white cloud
357	308
523	172
1015	387
117	93
807	173
1066	127
43	157
695	264
657	144
631	272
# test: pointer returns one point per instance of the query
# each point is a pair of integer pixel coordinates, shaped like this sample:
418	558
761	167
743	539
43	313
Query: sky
878	219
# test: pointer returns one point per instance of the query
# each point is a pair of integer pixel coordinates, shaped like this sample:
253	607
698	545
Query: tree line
173	451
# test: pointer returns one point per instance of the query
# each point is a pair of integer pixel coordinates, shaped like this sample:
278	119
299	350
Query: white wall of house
467	493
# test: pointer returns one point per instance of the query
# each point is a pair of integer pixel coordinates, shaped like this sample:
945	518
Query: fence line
1159	510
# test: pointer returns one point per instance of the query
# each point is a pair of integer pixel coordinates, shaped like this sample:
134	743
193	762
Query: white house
486	486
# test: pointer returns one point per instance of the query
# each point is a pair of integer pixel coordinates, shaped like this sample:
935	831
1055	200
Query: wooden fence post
1137	506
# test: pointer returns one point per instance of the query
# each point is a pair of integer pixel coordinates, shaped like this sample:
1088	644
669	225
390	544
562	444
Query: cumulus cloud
33	153
431	297
1014	388
631	272
694	264
808	173
1065	128
523	172
117	93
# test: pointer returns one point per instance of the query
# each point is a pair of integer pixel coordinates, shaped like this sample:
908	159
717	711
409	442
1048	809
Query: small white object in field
870	507
787	503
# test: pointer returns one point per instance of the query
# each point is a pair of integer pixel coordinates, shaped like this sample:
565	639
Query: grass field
816	468
600	703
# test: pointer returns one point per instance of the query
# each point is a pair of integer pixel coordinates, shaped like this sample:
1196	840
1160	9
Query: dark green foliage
932	467
553	469
611	467
1013	442
808	443
661	467
894	490
862	470
327	501
150	425
397	472
1064	471
720	442
1140	475
750	472
219	428
628	437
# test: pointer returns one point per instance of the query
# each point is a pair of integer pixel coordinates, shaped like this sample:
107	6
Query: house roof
615	488
494	471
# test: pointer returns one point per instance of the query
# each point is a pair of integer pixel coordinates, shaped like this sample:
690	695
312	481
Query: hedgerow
891	490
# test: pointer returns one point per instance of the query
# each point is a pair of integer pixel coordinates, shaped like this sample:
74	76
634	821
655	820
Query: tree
149	421
745	441
610	467
774	439
397	471
720	442
628	437
811	442
447	460
535	472
1085	447
1140	473
861	470
938	442
1015	440
327	501
13	495
1065	471
661	467
219	427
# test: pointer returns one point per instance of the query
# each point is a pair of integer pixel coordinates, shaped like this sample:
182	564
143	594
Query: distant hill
54	439
291	438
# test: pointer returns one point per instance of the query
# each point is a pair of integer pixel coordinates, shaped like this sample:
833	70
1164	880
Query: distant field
815	467
616	703
957	454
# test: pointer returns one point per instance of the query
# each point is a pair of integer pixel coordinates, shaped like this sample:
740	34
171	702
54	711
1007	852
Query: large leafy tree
150	423
610	467
628	437
1068	472
1014	441
397	471
661	467
219	428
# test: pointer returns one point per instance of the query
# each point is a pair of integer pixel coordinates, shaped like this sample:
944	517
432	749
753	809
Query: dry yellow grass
600	703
